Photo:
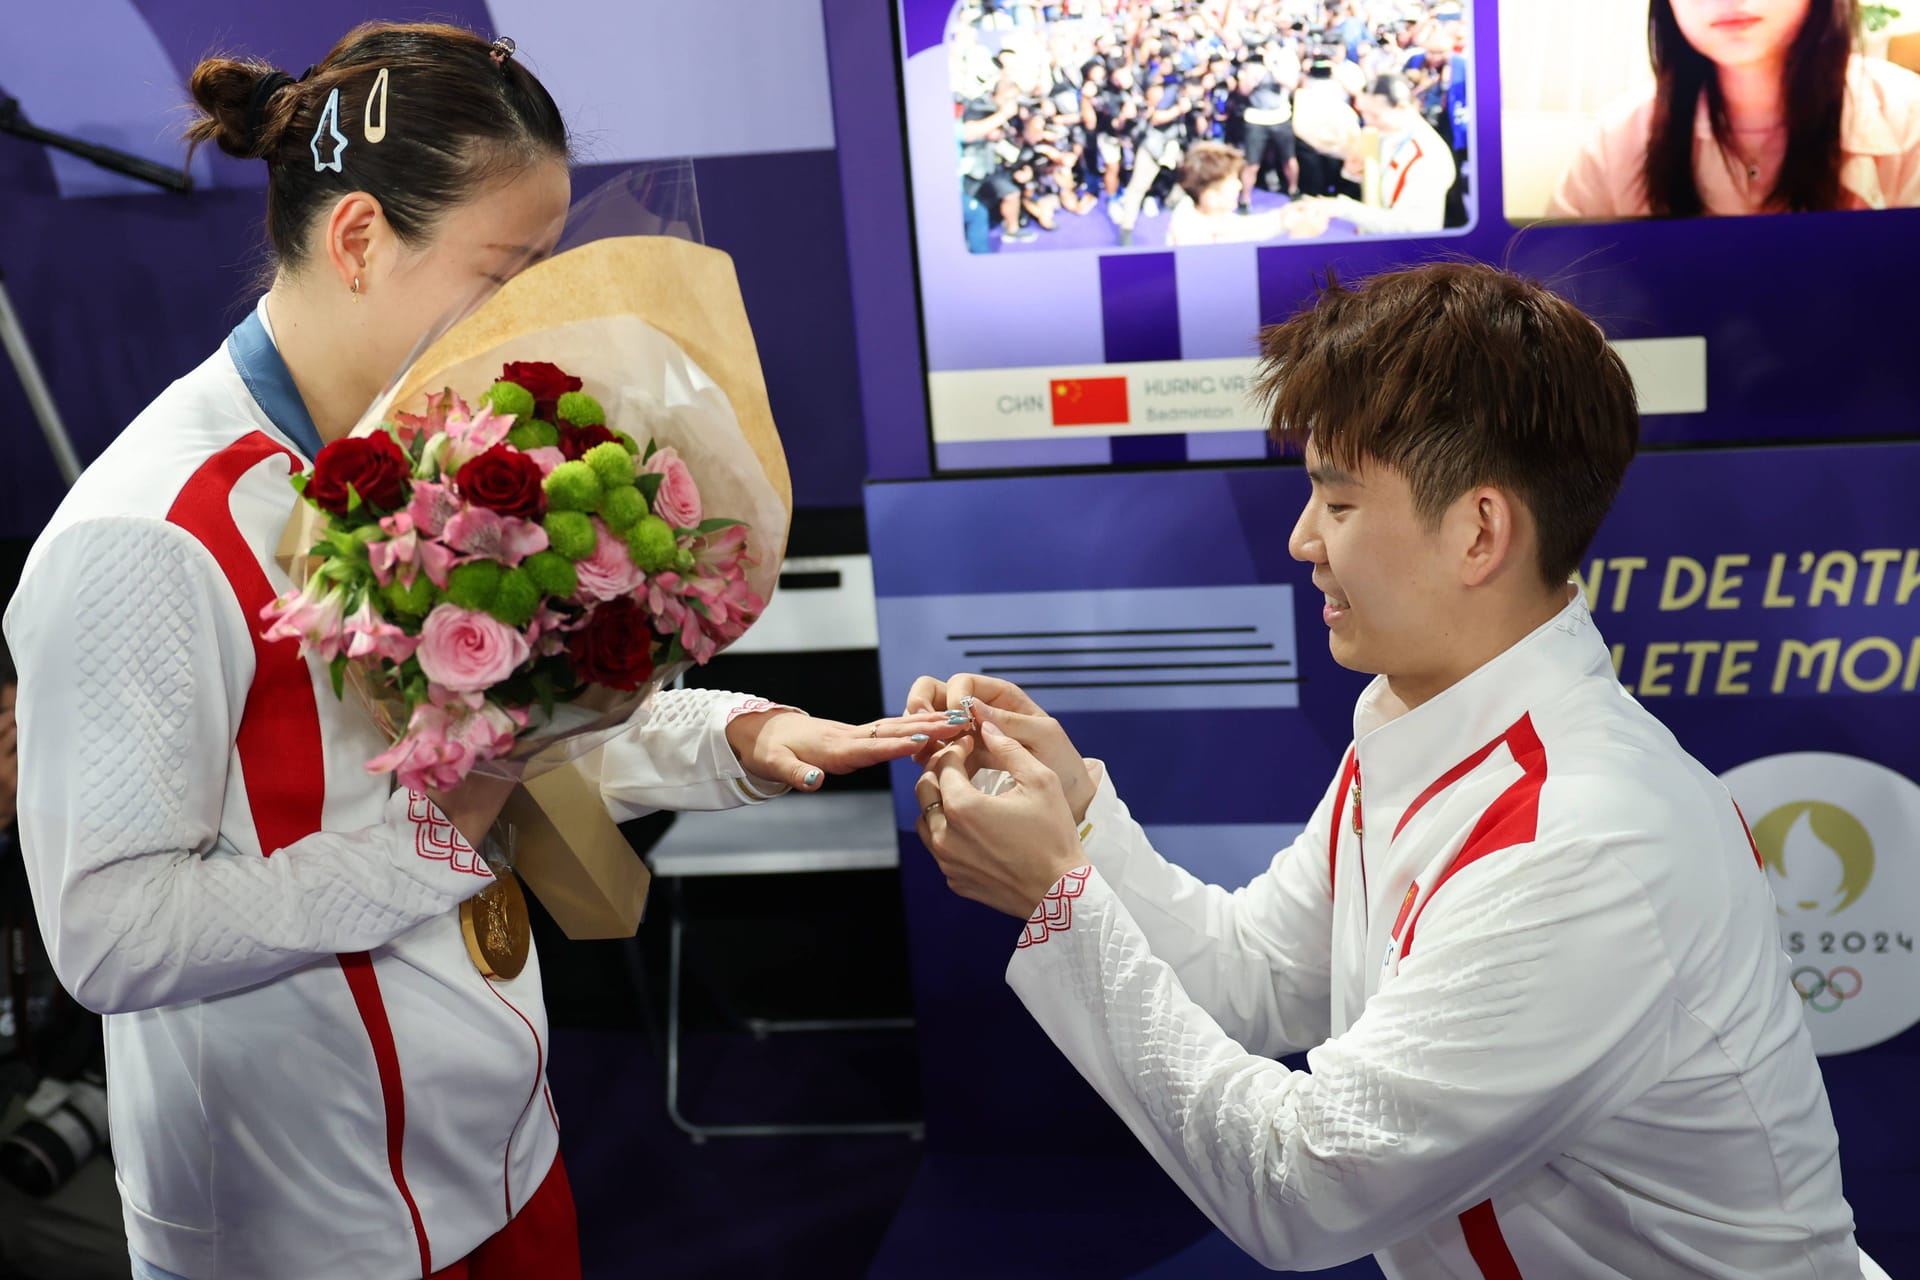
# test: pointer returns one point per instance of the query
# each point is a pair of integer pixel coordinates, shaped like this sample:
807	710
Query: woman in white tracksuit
308	1077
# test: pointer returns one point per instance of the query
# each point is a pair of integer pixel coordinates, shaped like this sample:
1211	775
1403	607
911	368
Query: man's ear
1495	531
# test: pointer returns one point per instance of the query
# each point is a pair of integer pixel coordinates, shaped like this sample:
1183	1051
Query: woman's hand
794	748
989	700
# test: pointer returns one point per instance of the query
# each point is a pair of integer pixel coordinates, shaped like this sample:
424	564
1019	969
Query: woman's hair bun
228	92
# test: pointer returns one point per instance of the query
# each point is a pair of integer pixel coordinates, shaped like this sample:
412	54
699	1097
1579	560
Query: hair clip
376	132
329	129
502	49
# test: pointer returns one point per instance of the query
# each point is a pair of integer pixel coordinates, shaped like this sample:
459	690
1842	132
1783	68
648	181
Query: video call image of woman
1757	106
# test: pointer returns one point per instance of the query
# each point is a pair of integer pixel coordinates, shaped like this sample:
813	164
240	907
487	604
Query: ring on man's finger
930	808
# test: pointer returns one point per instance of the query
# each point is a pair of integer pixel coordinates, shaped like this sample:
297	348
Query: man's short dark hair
1396	89
1455	375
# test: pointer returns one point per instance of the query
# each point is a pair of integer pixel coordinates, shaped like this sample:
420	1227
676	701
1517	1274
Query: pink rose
609	573
466	651
678	502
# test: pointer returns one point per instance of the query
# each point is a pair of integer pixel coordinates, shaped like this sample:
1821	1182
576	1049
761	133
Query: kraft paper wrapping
570	854
657	330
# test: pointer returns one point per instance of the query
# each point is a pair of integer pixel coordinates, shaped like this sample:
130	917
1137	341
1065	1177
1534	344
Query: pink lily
314	616
427	757
434	420
482	534
432	506
546	634
547	457
405	553
370	635
469	436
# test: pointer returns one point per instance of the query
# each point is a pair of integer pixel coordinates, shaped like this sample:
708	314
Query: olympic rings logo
1823	993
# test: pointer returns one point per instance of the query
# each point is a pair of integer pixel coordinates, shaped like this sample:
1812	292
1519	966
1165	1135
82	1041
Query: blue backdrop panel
1810	643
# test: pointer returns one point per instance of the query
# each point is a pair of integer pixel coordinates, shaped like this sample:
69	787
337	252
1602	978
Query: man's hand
1307	217
798	750
1001	702
1003	850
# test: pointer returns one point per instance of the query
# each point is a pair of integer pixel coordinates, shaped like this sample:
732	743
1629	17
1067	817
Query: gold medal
498	932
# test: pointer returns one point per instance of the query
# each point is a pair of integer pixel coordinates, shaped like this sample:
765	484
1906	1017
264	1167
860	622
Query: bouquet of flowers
496	574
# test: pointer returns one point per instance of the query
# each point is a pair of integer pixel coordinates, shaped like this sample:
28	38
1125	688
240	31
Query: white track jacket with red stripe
1547	1013
308	1078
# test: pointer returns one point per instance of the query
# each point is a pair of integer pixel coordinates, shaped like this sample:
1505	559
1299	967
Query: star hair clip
327	134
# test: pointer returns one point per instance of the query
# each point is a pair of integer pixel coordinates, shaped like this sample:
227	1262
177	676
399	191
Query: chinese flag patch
1089	402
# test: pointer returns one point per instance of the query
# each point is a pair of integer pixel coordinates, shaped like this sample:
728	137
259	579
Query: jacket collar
1402	756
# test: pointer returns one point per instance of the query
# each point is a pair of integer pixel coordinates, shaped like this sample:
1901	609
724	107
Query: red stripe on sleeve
1487	1245
279	738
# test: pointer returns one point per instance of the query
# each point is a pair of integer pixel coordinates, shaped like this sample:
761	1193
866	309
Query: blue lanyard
271	384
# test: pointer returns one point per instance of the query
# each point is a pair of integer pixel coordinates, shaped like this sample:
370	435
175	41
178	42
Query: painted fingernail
918	737
957	717
813	777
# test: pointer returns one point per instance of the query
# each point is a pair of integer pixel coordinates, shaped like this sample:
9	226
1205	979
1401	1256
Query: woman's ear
351	230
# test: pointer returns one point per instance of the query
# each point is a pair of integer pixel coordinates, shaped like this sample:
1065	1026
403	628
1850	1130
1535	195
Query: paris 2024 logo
1837	837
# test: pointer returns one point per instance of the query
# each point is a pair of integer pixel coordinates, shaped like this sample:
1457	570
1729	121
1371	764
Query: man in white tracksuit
1525	939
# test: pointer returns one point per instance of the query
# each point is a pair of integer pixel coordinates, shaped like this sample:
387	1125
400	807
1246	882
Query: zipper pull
1356	805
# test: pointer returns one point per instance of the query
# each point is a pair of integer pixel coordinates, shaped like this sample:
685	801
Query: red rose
615	647
373	465
575	441
547	382
502	479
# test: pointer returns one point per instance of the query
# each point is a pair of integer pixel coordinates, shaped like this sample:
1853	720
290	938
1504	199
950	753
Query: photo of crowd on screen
1086	124
1690	108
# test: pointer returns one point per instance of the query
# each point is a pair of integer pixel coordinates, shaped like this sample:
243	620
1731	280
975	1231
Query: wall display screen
1110	197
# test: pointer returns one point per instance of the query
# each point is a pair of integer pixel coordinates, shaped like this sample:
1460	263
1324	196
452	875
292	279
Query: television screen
1110	197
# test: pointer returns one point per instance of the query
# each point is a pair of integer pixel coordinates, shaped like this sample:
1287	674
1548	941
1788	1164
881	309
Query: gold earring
356	288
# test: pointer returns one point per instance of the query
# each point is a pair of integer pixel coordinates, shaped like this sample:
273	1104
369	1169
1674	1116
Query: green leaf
653	447
299	481
649	486
353	499
714	526
676	652
338	670
544	690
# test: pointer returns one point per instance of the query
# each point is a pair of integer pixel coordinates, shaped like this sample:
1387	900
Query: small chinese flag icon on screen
1089	402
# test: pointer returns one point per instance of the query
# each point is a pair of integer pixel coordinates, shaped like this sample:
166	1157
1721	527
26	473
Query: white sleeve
676	756
1536	1003
128	643
1422	205
1257	959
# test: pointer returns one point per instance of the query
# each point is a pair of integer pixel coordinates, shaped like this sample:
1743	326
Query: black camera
68	1125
